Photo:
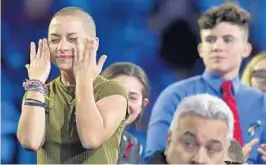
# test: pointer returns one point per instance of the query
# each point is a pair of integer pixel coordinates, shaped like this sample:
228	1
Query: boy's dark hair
228	12
235	152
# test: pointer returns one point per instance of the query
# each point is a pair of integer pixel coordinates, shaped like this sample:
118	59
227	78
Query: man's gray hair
205	106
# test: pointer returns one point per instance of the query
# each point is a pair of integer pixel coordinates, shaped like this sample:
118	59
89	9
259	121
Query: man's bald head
84	17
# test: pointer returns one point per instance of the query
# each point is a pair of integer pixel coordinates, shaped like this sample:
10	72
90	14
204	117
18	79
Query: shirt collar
216	82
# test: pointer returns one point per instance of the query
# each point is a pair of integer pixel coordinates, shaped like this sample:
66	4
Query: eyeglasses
260	73
231	162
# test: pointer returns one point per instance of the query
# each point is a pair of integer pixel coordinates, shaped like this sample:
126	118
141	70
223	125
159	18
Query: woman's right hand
40	64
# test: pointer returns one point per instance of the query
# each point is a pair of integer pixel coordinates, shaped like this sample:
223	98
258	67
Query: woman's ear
145	103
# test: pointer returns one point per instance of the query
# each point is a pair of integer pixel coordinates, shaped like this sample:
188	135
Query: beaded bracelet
35	85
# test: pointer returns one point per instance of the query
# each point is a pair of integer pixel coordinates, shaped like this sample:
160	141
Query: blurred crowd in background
160	36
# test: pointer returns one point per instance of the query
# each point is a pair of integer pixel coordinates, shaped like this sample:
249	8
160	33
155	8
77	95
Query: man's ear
169	140
247	50
169	137
200	50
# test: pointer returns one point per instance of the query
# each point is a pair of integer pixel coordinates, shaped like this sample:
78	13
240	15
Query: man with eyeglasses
200	133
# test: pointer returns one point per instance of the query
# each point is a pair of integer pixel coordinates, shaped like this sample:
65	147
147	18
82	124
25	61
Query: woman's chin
131	119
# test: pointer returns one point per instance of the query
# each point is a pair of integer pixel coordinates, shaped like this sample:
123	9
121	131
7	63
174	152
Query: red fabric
231	102
129	147
127	150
